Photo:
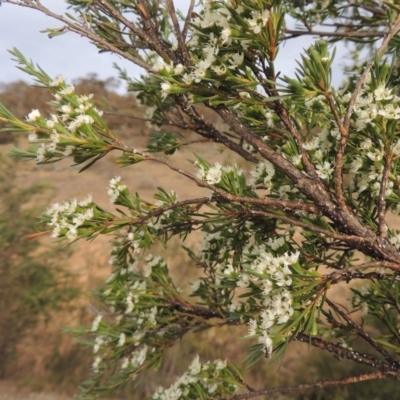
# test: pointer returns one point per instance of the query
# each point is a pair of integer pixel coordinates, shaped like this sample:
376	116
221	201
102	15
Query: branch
188	18
177	31
348	273
319	385
209	131
356	328
346	34
82	30
382	226
356	241
360	82
344	127
341	352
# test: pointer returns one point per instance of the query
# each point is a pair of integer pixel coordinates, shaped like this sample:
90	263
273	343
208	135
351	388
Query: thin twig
177	31
356	328
188	18
357	241
345	273
341	352
382	226
316	385
82	30
360	82
343	34
344	127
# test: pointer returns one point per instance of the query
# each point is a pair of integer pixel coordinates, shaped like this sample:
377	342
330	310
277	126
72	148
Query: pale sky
73	56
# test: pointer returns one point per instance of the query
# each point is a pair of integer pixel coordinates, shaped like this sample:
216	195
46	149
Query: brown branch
338	181
357	329
341	352
356	241
319	385
361	80
345	125
346	34
151	38
82	30
177	31
283	114
209	131
156	44
188	18
346	273
382	226
314	189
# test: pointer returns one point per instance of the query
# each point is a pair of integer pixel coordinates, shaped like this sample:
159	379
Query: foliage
33	282
309	208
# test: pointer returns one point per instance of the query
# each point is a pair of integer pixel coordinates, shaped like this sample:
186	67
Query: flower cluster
372	103
320	146
272	274
206	381
115	189
141	314
214	174
66	218
263	174
75	129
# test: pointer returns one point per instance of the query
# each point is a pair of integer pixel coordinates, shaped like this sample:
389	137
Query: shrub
310	207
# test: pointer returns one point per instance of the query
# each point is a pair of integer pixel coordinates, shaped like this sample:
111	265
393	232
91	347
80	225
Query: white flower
165	89
219	69
296	160
194	287
390	112
355	165
32	137
179	69
174	45
214	174
86	201
195	366
236	59
96	322
121	340
159	65
79	121
366	144
313	144
220	365
68	90
226	36
95	365
263	173
252	324
58	81
396	148
382	93
324	171
66	109
266	341
395	240
229	270
125	363
139	357
335	133
375	155
33	115
267	287
243	281
115	188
